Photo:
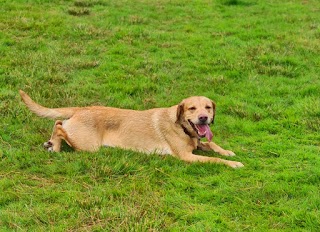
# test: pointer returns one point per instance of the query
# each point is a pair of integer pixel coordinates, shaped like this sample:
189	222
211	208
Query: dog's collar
187	132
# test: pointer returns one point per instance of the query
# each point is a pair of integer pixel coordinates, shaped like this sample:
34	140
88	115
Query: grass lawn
258	60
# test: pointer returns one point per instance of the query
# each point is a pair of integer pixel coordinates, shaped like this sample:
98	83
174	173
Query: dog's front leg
189	157
208	146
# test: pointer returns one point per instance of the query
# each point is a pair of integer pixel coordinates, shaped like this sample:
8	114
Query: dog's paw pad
48	145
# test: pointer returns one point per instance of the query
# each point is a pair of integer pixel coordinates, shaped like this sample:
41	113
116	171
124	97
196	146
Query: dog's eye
192	108
208	107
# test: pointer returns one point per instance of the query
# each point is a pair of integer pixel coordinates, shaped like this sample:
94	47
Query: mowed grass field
258	60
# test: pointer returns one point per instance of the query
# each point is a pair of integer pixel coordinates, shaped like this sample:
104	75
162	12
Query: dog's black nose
203	118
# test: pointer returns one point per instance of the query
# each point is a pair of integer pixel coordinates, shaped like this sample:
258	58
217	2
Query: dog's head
195	114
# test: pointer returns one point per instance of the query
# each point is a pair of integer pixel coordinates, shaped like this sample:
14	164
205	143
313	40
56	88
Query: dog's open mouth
203	130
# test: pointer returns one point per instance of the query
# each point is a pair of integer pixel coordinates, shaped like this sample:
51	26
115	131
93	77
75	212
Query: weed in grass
78	11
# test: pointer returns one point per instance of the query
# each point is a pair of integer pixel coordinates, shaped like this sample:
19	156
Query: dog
175	130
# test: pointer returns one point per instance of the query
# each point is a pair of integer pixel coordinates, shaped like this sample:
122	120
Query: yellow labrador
175	130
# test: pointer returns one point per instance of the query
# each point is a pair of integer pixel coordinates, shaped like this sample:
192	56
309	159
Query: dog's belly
148	146
143	131
158	151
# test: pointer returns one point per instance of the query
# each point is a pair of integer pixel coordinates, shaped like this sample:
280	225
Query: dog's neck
187	132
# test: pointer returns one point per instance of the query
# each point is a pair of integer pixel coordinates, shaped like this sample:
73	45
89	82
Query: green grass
258	60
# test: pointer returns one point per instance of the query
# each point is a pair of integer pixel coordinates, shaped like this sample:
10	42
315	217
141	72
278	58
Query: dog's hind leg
54	144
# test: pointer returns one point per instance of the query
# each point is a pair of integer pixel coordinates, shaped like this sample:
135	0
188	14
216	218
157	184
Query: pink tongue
205	130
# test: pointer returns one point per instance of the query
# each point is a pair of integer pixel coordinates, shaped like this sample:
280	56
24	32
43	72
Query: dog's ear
180	110
213	105
214	111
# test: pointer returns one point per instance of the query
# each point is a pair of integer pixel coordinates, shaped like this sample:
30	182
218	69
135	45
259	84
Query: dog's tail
47	112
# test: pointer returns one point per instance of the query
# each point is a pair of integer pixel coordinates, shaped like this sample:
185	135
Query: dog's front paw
227	153
235	164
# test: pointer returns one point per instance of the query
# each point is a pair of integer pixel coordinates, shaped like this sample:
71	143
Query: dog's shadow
66	148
